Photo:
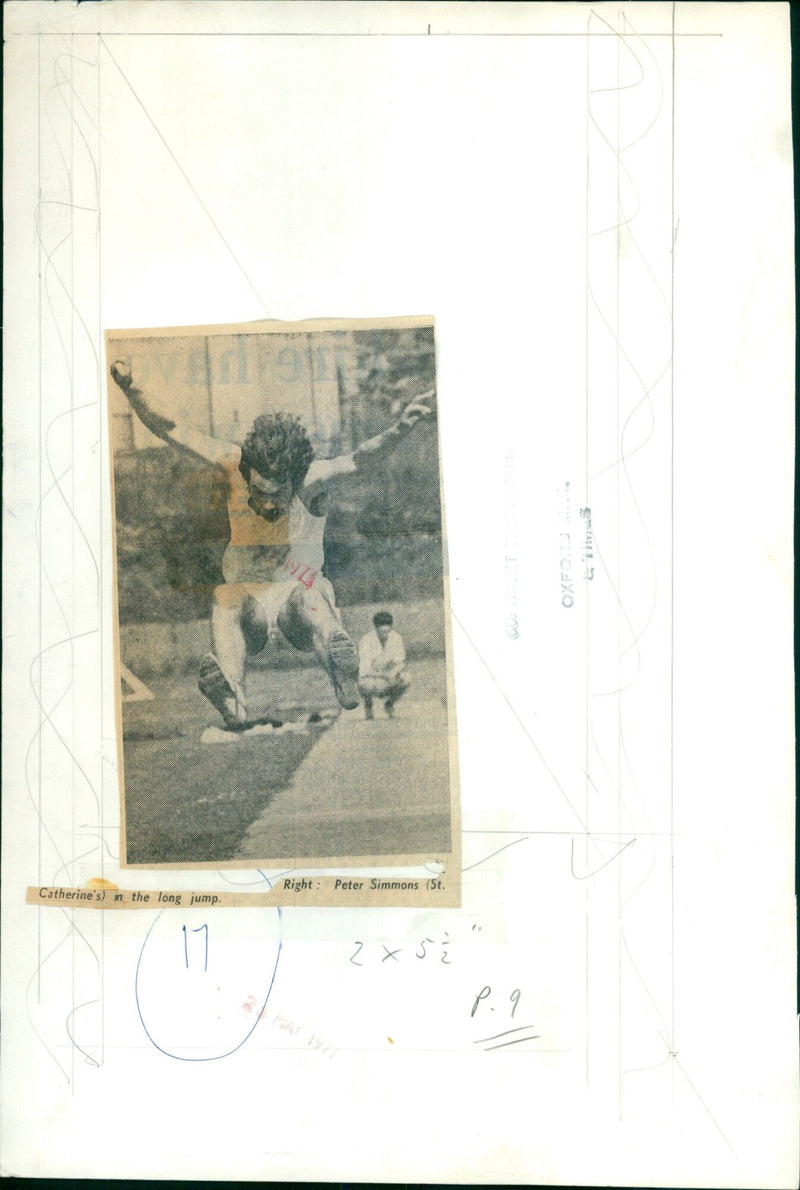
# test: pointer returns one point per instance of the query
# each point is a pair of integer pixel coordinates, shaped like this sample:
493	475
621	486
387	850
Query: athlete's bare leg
310	620
238	628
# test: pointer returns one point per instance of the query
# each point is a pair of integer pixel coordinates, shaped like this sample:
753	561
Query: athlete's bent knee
315	600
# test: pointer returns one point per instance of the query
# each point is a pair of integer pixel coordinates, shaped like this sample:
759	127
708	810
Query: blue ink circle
251	1030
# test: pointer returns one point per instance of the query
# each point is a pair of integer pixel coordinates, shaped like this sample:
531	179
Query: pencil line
516	1041
595	871
72	487
41	710
672	566
376	35
710	1115
587	504
510	705
103	455
505	1033
183	173
619	576
494	853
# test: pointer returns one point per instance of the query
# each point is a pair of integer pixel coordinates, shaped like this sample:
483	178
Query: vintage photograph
283	633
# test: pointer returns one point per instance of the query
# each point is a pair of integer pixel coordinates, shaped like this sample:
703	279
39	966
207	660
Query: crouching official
381	658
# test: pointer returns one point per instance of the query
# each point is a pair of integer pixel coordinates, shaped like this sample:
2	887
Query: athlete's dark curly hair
278	448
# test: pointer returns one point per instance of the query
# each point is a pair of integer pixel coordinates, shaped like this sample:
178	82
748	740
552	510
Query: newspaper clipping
284	675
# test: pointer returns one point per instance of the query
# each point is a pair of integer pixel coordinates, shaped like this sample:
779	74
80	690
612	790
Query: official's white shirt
375	659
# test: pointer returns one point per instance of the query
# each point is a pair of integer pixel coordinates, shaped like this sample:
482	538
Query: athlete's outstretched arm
370	453
213	450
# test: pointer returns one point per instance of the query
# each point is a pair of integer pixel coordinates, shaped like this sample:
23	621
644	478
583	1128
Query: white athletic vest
262	551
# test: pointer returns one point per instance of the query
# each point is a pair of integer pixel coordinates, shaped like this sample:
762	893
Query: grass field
352	788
